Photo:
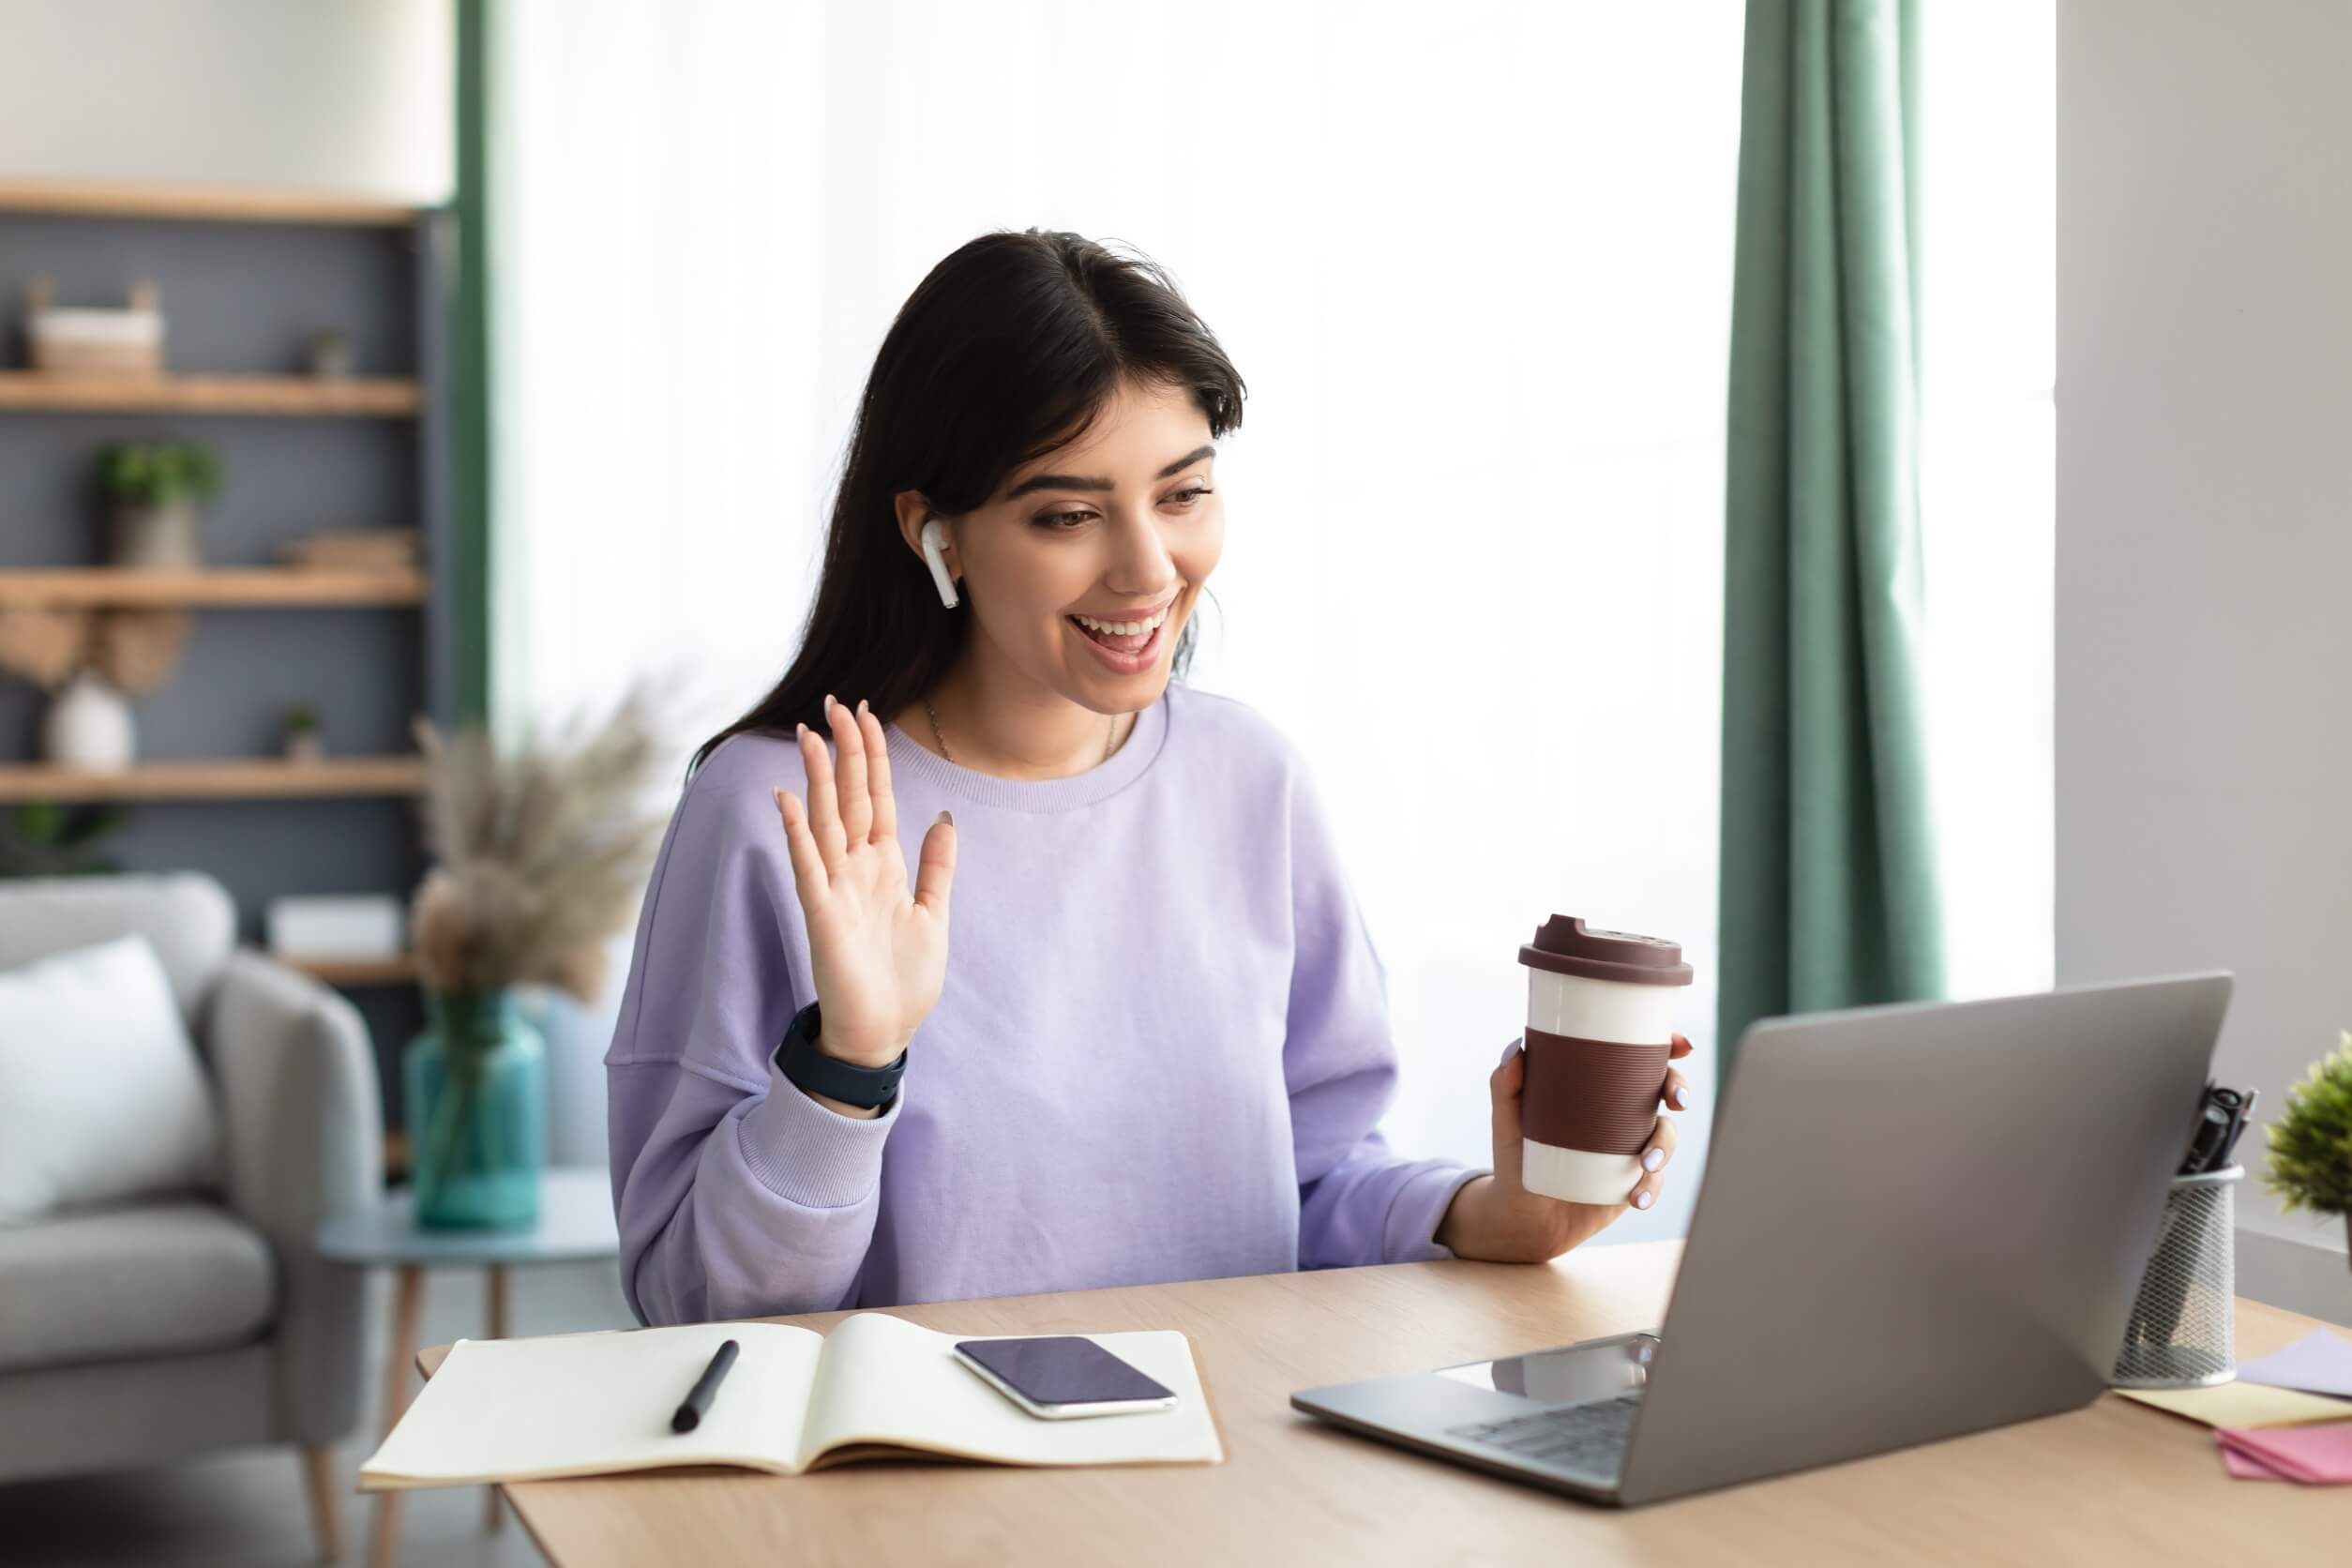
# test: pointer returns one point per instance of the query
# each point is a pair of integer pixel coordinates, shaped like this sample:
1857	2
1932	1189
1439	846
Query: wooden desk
2112	1482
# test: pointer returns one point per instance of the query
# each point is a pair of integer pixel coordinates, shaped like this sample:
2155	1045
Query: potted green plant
153	489
2311	1142
304	742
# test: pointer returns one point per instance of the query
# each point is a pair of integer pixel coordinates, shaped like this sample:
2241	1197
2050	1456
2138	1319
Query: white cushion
101	1095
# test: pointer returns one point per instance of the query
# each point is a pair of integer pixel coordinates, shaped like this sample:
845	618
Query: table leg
397	1379
497	1290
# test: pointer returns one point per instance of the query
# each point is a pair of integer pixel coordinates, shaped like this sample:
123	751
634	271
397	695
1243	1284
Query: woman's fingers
1677	1089
824	814
885	830
1680	1046
808	865
1654	1162
938	867
857	807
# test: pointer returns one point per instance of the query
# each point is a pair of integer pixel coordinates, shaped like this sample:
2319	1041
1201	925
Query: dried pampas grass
542	852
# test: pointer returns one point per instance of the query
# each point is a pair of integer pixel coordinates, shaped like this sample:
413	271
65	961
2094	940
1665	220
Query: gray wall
2204	735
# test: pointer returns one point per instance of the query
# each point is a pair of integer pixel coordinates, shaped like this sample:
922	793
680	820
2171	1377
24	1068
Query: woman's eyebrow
1075	481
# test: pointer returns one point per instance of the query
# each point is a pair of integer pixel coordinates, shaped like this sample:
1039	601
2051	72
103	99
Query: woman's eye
1063	522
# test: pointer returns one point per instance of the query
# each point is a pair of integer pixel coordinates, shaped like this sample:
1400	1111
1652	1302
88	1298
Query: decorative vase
153	538
476	1094
304	746
88	727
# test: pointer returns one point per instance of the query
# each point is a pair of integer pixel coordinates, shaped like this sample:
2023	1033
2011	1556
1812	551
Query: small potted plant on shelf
152	490
541	851
93	662
304	742
2311	1142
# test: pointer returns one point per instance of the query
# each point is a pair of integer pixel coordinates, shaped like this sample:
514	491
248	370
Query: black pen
698	1401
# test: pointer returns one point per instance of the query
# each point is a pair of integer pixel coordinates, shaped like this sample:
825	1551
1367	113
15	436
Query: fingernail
828	704
860	708
1642	1200
948	817
1654	1159
800	732
1682	1098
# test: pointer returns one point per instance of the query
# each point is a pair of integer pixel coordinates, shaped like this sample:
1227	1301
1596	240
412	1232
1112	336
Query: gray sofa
146	1332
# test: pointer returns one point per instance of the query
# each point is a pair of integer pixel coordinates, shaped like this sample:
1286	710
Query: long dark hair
1006	351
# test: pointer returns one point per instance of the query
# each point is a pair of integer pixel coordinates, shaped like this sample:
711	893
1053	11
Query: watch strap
808	1068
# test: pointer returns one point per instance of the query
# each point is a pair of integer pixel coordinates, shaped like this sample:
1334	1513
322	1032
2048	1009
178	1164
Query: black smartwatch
811	1070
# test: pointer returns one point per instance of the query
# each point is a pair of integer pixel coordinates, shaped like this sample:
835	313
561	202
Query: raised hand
879	956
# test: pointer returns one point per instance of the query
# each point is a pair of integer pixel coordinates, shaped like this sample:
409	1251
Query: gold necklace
1108	739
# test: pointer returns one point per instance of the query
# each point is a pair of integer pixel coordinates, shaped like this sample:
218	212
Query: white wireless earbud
934	538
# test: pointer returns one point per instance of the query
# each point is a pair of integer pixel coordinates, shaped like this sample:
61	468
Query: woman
1163	1045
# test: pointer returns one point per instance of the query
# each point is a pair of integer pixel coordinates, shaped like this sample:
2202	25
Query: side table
575	1226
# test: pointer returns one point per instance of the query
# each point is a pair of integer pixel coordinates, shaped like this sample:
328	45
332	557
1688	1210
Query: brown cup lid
1565	945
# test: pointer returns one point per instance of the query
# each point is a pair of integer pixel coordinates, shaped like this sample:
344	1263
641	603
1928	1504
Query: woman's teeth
1122	628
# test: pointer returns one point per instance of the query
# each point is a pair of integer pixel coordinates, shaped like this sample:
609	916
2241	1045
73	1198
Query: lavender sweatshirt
1161	1051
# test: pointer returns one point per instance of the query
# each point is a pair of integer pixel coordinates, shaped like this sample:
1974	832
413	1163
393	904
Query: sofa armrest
303	1129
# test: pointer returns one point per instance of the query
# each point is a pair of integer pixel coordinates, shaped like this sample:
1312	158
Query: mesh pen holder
2181	1331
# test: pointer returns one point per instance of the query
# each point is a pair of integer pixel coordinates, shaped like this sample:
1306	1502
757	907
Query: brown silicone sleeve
1598	1096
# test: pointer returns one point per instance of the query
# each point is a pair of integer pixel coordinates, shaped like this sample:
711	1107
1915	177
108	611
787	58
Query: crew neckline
911	760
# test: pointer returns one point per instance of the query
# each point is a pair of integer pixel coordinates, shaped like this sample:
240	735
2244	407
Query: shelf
62	392
398	969
233	778
261	587
213	203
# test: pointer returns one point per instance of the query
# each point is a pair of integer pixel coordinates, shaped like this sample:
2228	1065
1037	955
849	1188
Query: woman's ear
913	510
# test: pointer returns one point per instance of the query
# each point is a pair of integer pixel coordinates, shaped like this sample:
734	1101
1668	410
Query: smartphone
1062	1375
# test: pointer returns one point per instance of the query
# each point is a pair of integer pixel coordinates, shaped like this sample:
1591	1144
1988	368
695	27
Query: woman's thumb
938	866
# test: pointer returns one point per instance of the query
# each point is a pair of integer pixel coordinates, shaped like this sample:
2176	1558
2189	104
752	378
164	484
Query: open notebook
795	1400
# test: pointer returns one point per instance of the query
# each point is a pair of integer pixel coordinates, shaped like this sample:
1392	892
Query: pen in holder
2181	1331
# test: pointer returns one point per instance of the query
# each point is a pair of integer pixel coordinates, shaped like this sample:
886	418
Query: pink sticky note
2315	1454
2245	1467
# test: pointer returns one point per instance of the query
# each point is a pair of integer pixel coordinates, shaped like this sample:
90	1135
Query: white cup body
1589	1009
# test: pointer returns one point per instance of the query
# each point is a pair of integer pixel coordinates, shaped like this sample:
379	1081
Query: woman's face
1122	525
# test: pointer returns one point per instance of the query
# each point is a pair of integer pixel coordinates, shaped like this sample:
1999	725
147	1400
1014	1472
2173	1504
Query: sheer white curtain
1473	259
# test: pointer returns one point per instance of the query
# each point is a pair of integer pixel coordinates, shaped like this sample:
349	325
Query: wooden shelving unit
398	969
335	452
55	392
225	588
235	779
215	203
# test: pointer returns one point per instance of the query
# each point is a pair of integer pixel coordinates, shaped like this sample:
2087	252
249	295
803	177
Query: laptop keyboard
1588	1437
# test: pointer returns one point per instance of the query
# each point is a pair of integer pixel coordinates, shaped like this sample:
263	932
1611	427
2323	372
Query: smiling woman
1161	1050
1055	404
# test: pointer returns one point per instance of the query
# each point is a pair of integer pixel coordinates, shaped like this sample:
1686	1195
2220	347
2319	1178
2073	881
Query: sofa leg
318	1467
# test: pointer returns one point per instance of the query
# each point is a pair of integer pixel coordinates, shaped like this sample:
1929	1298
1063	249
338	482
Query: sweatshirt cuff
811	1155
1419	1208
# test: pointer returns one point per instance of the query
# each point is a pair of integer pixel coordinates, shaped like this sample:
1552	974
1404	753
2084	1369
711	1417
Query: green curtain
470	368
1829	882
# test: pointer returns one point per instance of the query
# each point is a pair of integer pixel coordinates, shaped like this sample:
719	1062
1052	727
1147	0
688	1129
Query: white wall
353	94
2204	548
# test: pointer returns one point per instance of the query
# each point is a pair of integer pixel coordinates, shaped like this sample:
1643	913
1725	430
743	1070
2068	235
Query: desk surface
2113	1481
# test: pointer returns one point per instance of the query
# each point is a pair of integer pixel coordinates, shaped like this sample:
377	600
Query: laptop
1918	1221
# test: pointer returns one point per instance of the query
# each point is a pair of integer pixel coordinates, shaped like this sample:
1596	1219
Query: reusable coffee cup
1600	1021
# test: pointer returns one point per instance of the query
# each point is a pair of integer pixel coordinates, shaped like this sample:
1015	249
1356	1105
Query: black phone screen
1063	1369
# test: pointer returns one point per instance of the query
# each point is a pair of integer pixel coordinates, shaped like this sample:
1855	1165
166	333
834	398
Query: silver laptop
1917	1221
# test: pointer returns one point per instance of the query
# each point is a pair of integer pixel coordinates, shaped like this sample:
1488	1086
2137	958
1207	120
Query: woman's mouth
1125	652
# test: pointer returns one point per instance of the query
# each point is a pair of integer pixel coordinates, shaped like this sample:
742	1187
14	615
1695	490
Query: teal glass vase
475	1083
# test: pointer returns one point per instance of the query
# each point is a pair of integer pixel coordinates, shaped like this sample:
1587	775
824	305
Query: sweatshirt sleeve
1358	1202
736	1194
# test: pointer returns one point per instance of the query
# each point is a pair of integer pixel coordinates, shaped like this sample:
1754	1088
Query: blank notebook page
885	1379
585	1404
